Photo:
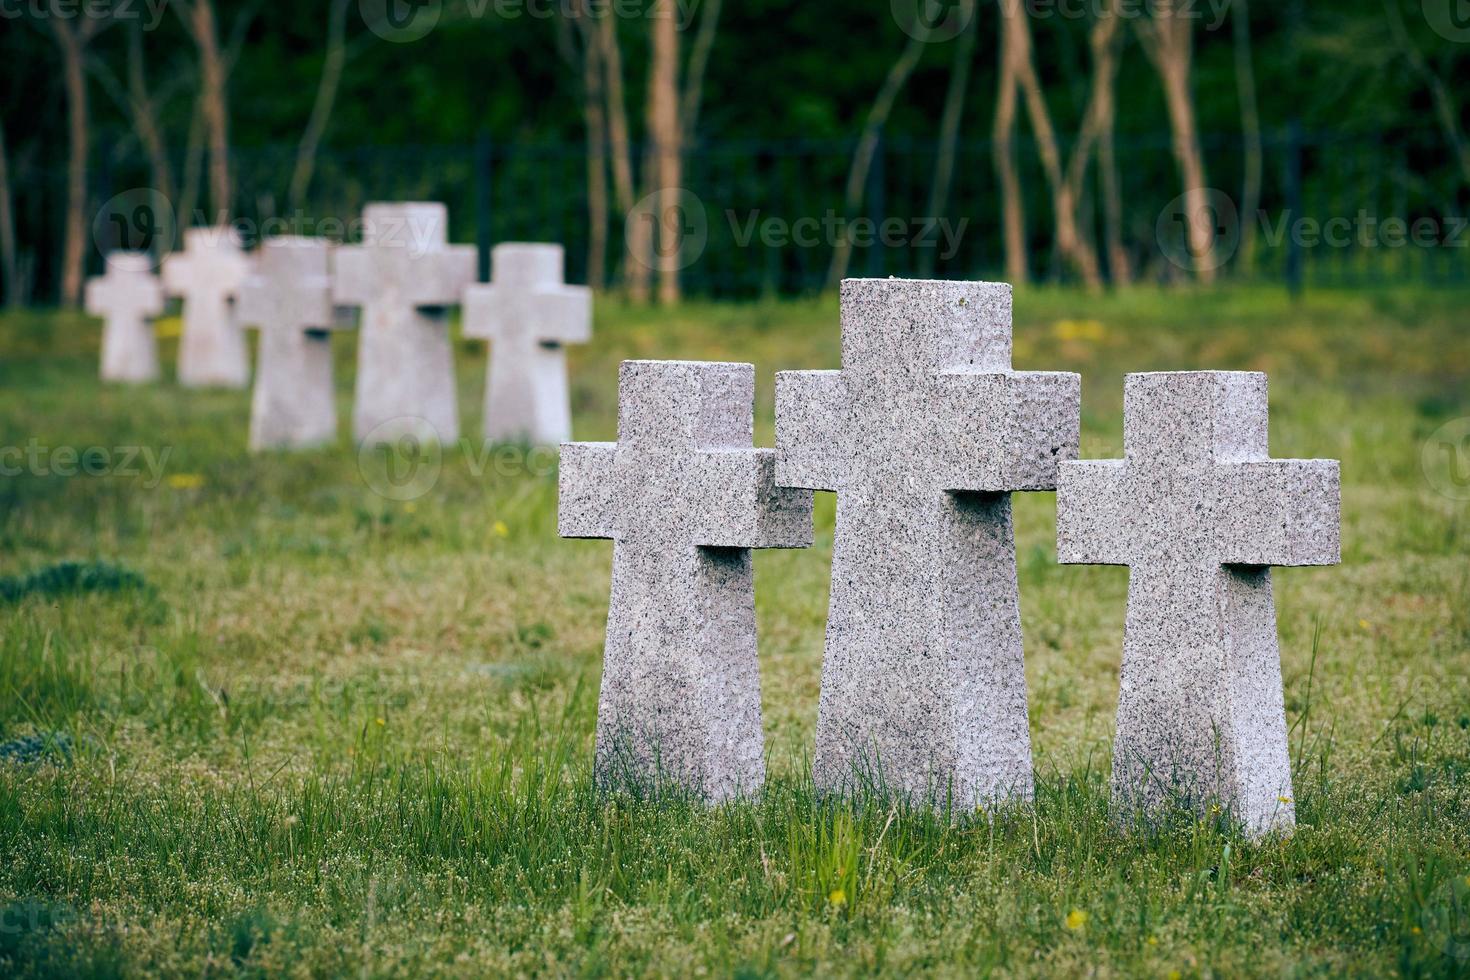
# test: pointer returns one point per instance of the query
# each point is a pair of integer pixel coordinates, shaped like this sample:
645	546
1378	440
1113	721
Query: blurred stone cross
405	277
127	297
207	274
684	497
528	313
1198	510
924	434
289	297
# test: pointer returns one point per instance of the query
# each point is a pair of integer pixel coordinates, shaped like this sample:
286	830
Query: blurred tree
9	261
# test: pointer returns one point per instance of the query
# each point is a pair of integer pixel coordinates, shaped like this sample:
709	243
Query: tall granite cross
684	497
127	297
1198	510
528	313
924	434
405	277
207	275
289	297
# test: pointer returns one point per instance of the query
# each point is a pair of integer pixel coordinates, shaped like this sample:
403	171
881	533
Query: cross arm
564	315
253	307
1007	430
586	490
737	503
1280	512
439	277
810	418
480	310
1093	516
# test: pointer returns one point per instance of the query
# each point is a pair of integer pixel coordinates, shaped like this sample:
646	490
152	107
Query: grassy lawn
292	726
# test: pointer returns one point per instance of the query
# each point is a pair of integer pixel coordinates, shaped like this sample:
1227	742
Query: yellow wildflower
501	531
838	897
1076	919
186	481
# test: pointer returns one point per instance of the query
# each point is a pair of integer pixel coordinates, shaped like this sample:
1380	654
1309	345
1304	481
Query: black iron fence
761	217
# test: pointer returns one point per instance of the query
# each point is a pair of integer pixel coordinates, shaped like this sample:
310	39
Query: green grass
275	723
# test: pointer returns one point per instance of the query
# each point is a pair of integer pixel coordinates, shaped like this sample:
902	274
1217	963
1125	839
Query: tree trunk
333	63
9	261
664	130
1073	246
949	128
72	42
202	25
1168	40
189	189
1446	106
1003	149
1250	127
1106	45
699	55
594	115
867	147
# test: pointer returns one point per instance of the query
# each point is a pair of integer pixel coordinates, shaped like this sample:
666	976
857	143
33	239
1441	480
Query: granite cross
405	277
127	297
528	313
684	497
207	274
1198	510
290	299
924	434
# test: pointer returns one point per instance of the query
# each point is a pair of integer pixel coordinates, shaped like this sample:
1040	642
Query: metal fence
1335	210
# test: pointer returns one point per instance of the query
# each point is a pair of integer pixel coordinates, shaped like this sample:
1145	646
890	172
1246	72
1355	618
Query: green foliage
341	735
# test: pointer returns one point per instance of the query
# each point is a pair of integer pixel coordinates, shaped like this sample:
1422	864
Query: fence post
1294	256
484	174
878	205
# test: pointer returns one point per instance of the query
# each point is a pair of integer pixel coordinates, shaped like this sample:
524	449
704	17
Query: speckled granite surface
924	433
1198	511
684	497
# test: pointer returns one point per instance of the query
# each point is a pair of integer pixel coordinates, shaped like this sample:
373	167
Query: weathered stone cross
207	275
1198	511
684	497
528	314
289	297
924	433
405	277
127	297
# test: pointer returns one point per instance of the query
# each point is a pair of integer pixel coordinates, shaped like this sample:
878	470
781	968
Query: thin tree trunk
867	147
663	127
699	55
1073	246
202	25
1446	106
72	40
637	235
1106	48
328	84
9	261
1168	40
594	114
189	189
1250	127
1003	148
949	128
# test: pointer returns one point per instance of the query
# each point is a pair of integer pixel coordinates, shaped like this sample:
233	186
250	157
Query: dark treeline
1060	129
